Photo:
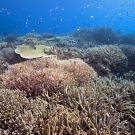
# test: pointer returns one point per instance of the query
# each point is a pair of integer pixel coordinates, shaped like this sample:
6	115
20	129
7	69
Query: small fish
19	21
20	64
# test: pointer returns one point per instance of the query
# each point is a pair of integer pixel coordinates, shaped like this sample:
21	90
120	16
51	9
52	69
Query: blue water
64	16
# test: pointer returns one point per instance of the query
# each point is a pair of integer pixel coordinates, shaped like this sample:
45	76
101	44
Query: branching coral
63	53
129	51
85	110
18	114
98	35
48	73
106	59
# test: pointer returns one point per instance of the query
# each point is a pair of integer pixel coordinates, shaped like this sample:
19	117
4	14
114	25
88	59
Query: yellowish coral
28	52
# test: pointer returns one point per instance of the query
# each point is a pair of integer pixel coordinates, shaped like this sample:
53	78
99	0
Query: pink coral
49	74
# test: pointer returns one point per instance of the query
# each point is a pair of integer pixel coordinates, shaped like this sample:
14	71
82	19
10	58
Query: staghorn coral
85	110
106	59
18	115
48	73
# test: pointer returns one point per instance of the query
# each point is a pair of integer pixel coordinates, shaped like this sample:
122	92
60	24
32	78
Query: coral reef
3	65
10	56
61	94
31	41
29	52
98	35
63	53
128	38
106	59
105	107
9	38
129	51
47	73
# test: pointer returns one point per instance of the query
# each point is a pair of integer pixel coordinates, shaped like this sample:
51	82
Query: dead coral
48	73
106	59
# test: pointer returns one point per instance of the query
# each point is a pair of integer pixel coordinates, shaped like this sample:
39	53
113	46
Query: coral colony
75	84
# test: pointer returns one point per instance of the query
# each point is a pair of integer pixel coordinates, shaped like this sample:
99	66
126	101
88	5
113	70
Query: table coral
27	52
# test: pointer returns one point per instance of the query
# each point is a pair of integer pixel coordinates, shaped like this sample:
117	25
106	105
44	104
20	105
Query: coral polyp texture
47	73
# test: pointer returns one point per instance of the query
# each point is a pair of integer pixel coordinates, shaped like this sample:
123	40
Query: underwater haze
65	16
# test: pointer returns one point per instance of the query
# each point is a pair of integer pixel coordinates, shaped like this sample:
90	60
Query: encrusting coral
49	73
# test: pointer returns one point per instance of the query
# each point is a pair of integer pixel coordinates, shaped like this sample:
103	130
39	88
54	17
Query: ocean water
65	16
67	67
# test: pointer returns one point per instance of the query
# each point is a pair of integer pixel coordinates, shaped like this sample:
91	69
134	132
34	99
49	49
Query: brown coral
106	59
90	110
49	73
